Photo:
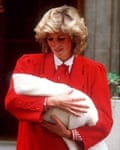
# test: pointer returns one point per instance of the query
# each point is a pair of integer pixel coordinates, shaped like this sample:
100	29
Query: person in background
63	37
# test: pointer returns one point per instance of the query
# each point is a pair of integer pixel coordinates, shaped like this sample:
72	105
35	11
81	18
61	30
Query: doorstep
7	145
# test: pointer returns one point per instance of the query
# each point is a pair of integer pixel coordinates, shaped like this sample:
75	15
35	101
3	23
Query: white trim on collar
68	62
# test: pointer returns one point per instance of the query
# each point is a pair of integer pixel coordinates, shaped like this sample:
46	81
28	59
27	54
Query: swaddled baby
35	86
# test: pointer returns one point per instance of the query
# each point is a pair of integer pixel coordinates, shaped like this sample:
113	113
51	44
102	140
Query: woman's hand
57	128
68	103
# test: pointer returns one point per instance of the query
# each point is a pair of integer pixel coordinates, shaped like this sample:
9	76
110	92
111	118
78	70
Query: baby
35	86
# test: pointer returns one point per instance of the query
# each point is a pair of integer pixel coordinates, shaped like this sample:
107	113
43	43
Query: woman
63	36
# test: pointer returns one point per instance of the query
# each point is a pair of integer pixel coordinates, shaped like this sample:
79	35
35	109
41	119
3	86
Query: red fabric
86	75
62	74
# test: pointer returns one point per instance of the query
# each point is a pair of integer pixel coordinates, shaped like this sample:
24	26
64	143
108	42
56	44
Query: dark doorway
21	17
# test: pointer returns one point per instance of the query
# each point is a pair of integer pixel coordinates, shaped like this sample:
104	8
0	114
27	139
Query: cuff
76	136
45	104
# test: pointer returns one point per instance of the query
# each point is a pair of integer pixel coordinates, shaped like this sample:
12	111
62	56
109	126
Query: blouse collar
68	62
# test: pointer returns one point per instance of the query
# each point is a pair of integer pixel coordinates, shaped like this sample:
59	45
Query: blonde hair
65	19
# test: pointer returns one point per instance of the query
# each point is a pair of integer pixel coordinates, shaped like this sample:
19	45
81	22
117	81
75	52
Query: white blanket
35	86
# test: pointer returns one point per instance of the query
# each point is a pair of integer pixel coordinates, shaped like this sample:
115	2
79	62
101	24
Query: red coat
86	75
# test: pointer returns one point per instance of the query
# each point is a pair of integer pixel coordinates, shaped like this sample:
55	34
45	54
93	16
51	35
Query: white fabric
31	85
68	62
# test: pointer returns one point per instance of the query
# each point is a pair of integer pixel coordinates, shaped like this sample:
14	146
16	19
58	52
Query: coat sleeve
29	108
99	93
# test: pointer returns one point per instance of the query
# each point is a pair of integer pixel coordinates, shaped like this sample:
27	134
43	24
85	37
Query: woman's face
60	44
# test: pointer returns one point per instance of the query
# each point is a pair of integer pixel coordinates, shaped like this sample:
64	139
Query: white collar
68	62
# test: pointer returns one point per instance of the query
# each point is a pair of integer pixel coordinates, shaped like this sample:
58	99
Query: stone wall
103	21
